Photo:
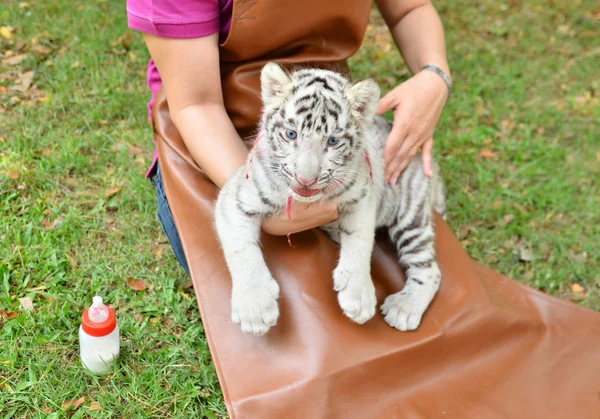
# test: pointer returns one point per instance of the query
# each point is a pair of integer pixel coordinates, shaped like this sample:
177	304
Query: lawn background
519	145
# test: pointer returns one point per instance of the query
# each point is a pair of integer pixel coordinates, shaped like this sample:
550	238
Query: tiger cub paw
356	295
404	310
254	306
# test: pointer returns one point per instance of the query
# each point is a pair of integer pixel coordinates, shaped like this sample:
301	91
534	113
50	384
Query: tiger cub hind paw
404	311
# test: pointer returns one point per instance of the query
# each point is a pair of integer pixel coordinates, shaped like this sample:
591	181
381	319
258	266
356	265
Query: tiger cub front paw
356	295
254	305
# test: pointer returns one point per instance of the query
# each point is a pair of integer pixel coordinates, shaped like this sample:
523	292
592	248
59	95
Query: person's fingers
386	103
405	155
329	212
407	150
304	217
426	156
396	138
399	168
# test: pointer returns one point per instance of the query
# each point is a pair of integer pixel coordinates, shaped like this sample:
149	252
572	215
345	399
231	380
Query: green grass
77	216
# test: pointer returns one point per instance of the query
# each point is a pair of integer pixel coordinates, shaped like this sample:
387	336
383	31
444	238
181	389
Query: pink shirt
177	19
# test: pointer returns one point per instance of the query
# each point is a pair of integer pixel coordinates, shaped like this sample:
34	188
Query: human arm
189	70
417	103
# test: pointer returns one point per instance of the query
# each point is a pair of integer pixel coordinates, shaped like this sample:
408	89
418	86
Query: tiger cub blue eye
333	141
291	134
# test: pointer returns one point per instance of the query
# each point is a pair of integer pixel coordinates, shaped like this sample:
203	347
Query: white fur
365	201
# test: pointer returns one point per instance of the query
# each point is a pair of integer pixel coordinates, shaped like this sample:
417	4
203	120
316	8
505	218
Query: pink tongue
306	192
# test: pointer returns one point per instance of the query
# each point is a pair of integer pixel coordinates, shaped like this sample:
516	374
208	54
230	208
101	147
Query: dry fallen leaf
72	404
72	261
135	151
124	41
529	275
75	64
507	218
160	248
576	288
138	317
46	410
464	231
545	248
168	323
94	406
40	288
136	284
7	315
40	50
188	284
13	174
51	225
487	154
111	192
14	60
525	254
24	82
579	257
26	303
24	5
6	32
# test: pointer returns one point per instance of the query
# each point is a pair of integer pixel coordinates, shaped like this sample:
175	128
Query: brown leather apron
488	347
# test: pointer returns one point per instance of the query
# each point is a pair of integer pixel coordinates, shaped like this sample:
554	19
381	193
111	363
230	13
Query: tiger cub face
313	121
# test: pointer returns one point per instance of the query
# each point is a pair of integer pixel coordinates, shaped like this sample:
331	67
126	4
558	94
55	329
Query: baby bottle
99	338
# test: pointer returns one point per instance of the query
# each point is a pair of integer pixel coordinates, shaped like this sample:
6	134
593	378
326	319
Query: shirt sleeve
174	18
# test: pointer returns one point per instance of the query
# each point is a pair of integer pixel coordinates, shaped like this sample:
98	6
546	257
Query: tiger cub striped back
320	140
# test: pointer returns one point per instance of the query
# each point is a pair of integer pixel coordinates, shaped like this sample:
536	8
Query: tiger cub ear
275	85
363	98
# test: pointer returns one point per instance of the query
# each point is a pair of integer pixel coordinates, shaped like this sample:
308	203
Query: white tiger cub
319	139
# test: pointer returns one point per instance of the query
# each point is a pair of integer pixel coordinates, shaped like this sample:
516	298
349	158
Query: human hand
417	105
303	217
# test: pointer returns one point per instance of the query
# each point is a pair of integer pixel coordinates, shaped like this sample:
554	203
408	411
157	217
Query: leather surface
488	347
313	33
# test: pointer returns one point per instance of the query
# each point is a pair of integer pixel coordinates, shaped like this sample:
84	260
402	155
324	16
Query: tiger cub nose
306	182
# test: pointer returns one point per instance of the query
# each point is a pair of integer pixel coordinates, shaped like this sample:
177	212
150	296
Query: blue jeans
166	219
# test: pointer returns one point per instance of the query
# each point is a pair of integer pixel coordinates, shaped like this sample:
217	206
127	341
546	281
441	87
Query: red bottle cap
98	329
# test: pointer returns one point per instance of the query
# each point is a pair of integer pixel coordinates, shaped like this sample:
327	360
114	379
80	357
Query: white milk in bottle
99	338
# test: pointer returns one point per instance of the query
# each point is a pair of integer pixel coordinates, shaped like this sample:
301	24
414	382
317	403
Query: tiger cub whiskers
319	139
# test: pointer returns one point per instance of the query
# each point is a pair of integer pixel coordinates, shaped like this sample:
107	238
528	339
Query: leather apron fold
488	347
